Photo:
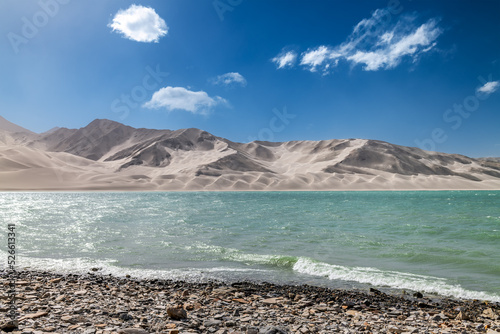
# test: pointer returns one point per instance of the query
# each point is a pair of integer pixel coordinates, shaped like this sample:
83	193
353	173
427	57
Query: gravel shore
96	304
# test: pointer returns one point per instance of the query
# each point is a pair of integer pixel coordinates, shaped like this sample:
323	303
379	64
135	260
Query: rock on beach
97	304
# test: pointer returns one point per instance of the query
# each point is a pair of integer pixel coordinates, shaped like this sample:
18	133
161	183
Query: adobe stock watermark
394	8
455	117
31	26
139	93
277	124
222	6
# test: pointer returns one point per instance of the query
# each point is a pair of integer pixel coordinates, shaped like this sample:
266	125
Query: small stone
176	313
438	318
394	329
222	291
411	329
132	331
252	330
221	331
272	330
490	314
462	316
80	292
240	300
352	313
23	283
125	317
270	301
33	315
418	295
212	323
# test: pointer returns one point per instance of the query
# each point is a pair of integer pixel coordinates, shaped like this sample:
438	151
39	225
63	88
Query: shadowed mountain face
96	139
402	160
110	155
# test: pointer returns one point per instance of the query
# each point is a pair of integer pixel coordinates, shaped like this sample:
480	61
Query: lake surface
441	242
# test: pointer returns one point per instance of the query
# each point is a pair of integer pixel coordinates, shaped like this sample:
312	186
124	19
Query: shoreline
92	303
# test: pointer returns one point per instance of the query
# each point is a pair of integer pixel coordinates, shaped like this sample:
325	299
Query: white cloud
386	38
392	51
285	59
372	60
489	87
229	79
381	41
140	24
321	56
180	98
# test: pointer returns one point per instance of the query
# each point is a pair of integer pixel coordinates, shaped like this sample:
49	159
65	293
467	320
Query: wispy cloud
180	98
393	46
322	57
375	43
285	59
230	79
140	24
489	87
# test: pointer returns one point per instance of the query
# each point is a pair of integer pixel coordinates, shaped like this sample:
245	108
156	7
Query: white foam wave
303	265
392	279
109	267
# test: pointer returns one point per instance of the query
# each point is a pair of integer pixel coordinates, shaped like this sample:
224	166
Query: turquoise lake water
439	242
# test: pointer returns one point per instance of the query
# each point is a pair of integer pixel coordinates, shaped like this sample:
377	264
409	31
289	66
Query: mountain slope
7	126
111	156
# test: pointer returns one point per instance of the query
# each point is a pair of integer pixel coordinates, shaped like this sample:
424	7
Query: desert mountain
108	155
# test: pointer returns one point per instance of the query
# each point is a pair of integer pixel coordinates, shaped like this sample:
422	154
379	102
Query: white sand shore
23	168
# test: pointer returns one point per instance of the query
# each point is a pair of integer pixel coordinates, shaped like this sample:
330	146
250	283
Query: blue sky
413	73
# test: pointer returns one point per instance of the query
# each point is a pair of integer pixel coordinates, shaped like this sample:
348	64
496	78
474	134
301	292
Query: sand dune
106	155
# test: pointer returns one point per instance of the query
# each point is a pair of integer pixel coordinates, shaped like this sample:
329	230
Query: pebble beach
97	304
